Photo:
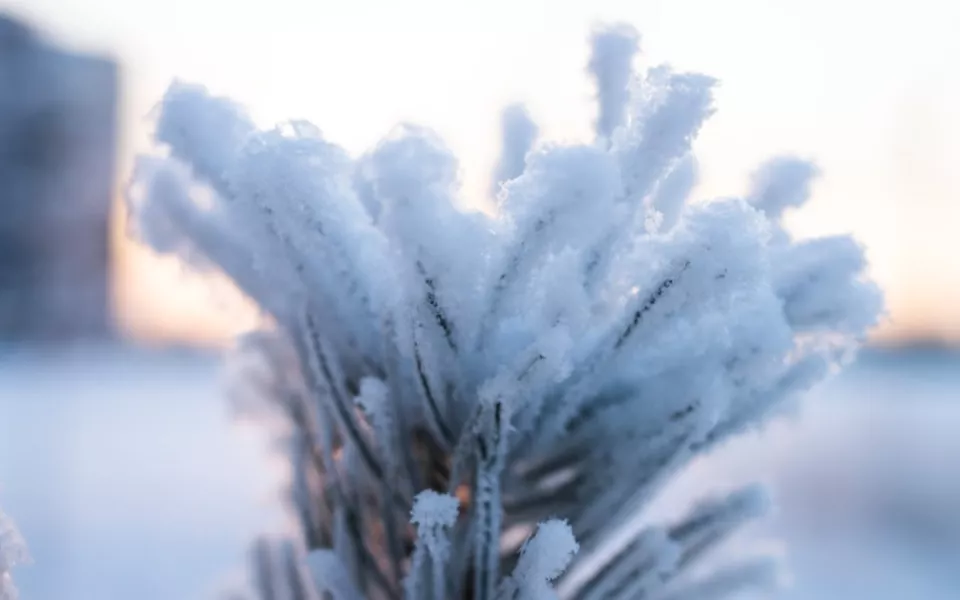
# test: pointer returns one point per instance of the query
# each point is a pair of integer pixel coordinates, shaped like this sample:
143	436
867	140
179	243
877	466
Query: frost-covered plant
448	383
13	551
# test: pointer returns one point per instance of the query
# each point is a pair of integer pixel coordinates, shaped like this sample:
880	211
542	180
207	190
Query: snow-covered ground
130	480
124	471
865	480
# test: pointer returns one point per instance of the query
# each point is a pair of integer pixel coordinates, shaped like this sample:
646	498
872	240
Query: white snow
128	478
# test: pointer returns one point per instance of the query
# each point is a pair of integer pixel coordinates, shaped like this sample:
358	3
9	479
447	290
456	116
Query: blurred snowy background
129	479
119	457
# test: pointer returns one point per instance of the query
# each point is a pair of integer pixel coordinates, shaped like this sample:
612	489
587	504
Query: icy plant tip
446	384
13	551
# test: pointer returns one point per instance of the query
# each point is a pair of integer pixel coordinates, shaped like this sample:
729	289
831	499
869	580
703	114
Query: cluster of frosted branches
447	383
12	552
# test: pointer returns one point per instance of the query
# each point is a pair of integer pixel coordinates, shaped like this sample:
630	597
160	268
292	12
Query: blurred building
58	115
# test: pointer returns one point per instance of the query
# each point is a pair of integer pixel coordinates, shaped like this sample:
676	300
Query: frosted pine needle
542	370
13	551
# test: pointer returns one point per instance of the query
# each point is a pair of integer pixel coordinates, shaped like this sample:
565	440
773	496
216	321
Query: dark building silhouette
57	153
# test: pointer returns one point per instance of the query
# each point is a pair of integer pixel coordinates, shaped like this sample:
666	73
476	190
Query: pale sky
870	90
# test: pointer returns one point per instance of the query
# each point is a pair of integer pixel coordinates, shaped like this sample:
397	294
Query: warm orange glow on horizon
158	299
